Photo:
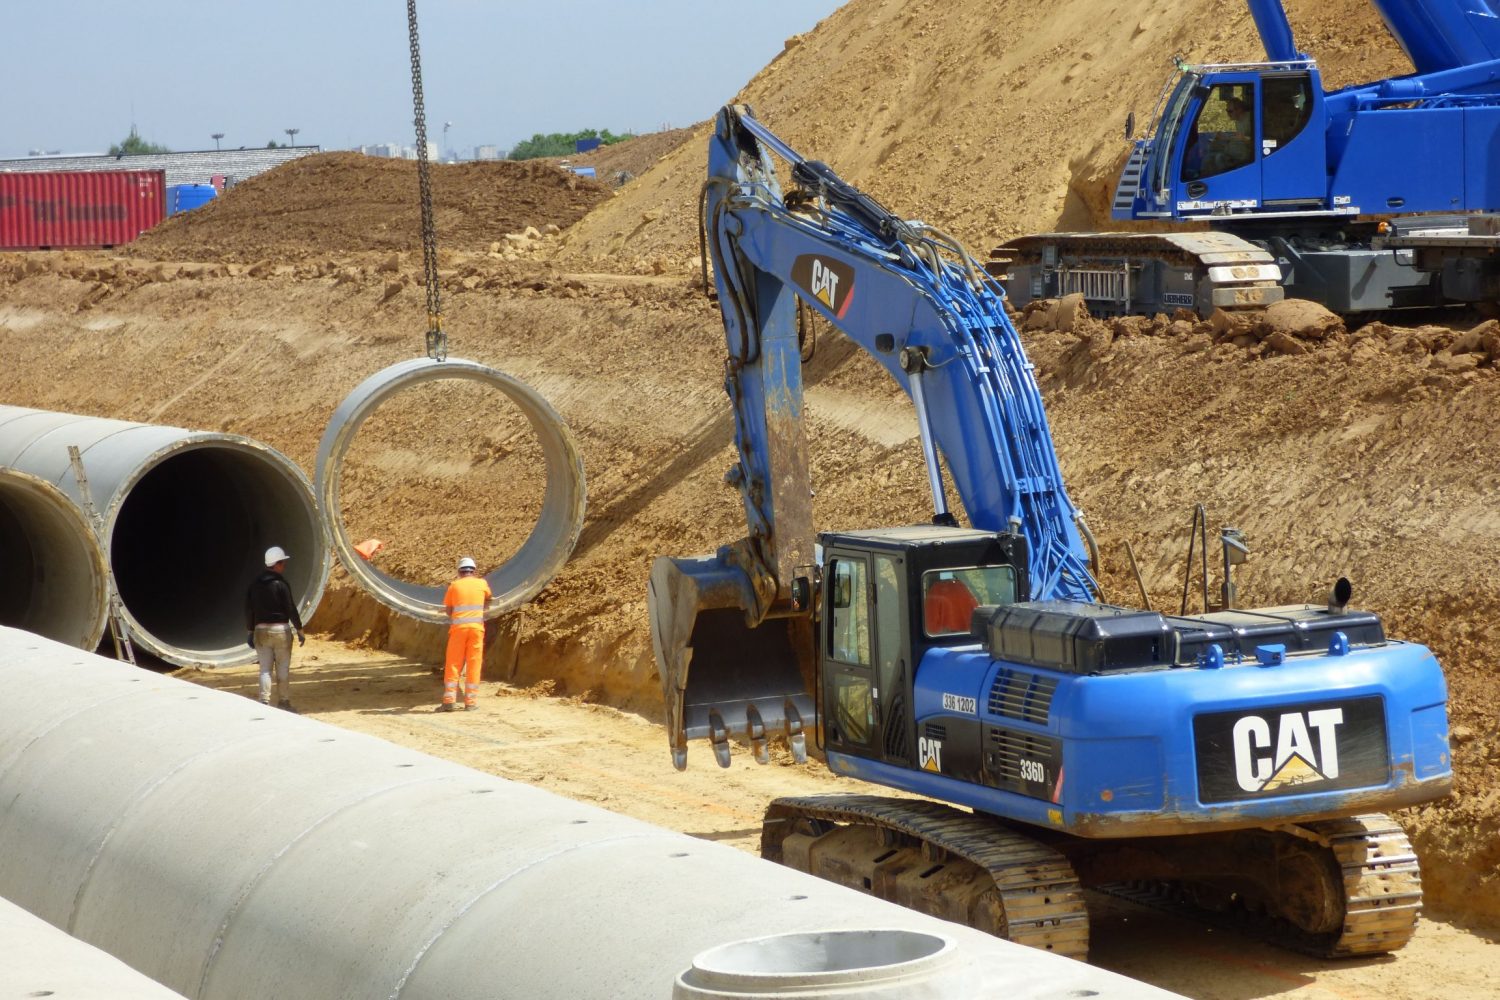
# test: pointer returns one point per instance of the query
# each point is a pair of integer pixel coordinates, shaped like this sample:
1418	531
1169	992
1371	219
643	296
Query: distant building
399	152
487	152
192	167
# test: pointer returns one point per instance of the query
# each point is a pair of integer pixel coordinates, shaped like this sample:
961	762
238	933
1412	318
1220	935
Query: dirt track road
618	761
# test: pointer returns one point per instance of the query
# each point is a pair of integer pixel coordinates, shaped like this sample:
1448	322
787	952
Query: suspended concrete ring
539	558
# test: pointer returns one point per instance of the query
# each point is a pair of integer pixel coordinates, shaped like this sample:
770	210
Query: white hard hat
466	563
275	554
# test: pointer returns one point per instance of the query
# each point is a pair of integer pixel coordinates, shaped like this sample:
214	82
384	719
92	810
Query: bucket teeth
718	735
793	731
756	729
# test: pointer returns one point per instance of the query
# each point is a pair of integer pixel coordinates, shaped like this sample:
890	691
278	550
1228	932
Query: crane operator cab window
949	596
849	652
1288	107
1222	137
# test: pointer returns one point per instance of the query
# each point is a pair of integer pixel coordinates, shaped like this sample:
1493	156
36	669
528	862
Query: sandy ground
616	760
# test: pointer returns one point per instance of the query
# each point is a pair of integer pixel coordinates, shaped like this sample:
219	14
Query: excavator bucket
721	677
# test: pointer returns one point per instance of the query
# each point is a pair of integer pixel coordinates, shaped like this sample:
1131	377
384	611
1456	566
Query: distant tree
134	144
273	144
562	143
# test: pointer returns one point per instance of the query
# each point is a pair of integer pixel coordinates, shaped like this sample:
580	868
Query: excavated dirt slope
1365	452
988	118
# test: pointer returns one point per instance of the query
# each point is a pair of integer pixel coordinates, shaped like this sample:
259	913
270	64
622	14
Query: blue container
586	145
184	197
585	171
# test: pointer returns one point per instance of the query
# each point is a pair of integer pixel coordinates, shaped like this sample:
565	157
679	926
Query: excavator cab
890	596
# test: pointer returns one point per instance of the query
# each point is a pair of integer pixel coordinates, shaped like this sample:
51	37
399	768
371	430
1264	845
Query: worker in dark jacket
271	616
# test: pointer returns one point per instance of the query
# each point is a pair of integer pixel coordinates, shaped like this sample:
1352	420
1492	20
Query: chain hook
437	340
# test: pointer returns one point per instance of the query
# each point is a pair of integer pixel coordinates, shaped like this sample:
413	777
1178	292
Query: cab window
1287	105
1222	137
849	637
949	596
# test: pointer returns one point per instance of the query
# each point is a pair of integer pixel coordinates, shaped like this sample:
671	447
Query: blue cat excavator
1362	198
1236	761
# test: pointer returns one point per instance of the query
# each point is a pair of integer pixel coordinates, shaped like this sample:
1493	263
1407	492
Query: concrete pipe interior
547	546
54	577
875	962
190	534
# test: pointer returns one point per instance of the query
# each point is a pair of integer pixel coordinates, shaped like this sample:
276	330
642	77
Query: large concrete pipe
187	515
53	579
229	851
546	548
38	960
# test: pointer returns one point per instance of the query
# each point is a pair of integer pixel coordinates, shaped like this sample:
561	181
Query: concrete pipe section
38	960
54	581
546	548
187	515
228	851
879	964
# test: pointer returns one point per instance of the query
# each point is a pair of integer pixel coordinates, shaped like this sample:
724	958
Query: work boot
471	707
286	705
447	706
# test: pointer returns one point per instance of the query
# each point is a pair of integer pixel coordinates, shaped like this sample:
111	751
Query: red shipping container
78	208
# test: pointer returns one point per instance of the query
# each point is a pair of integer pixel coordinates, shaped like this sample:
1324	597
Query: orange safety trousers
465	657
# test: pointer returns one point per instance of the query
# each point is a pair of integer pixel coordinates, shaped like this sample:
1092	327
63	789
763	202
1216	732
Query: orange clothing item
464	661
948	607
466	600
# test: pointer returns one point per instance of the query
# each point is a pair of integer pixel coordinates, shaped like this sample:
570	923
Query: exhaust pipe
229	850
54	581
187	517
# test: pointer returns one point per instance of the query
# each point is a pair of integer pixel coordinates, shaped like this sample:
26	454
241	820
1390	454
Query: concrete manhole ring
547	547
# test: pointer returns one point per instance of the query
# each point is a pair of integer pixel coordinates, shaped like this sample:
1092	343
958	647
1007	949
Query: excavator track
1369	903
936	859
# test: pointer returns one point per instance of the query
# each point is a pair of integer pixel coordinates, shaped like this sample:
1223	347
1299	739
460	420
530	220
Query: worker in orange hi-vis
466	600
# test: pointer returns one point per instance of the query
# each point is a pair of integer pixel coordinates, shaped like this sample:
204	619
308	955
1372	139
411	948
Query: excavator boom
731	632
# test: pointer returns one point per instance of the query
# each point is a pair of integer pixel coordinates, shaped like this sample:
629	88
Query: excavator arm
732	632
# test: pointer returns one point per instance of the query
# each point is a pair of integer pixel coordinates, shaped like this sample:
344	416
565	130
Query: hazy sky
77	73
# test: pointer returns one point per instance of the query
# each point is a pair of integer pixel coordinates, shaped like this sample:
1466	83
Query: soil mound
987	118
347	202
622	162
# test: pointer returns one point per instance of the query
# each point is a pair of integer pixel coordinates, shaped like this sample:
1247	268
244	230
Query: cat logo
930	754
1294	760
828	281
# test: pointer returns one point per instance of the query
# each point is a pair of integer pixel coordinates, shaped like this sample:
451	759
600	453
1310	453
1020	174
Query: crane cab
1240	138
890	595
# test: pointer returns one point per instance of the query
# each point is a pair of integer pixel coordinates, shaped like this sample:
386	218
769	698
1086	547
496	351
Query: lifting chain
437	340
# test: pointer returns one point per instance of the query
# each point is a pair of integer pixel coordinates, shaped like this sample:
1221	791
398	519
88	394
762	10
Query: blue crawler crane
1237	760
1284	188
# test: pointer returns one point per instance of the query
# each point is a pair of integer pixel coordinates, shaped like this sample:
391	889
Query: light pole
216	137
291	134
446	127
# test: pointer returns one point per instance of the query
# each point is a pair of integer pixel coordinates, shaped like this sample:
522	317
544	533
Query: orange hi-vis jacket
465	601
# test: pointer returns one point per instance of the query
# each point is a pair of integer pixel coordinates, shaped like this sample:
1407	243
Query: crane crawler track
1126	273
953	864
1380	879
